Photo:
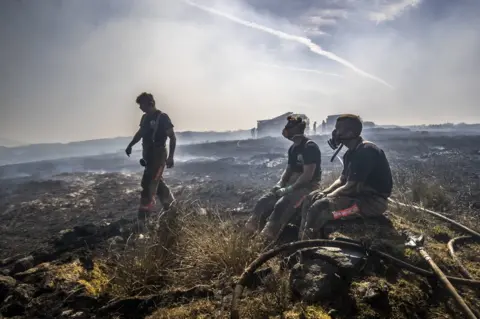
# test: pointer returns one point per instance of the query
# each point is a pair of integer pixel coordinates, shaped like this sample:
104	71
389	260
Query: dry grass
203	246
197	247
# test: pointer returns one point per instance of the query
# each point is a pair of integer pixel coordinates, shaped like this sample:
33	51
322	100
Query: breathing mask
335	143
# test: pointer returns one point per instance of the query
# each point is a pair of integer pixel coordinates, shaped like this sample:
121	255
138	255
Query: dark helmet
145	98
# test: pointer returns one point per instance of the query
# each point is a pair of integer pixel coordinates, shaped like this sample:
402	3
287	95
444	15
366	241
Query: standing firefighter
363	187
155	127
302	175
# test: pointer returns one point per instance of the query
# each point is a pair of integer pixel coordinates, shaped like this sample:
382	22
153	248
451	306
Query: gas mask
335	142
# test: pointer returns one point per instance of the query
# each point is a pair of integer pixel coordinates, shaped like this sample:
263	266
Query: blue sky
71	69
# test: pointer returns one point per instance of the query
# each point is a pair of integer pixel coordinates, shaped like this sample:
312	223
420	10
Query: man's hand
128	150
317	195
169	162
276	187
283	191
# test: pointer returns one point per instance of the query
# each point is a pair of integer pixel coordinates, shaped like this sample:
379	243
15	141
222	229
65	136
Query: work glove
128	151
283	191
276	188
169	162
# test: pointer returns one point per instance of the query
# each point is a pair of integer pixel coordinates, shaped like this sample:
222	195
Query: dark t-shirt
148	124
368	164
305	153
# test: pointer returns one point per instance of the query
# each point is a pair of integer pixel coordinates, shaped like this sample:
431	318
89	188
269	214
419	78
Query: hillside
71	246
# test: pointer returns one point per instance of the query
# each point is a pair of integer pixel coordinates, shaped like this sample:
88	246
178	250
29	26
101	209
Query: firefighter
155	127
363	188
276	207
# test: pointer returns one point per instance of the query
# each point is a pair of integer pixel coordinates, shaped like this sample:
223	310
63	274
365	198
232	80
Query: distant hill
50	151
9	143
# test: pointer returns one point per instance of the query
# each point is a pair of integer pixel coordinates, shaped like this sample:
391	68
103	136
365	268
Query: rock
324	272
15	304
22	264
66	313
314	280
33	275
72	314
7	284
373	293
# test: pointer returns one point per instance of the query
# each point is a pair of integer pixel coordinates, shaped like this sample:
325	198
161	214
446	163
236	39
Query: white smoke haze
71	70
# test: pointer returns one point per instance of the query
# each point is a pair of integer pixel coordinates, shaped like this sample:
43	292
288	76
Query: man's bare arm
287	173
306	177
136	138
349	189
172	142
335	185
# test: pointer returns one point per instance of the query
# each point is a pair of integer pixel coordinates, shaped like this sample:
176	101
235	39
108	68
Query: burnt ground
39	201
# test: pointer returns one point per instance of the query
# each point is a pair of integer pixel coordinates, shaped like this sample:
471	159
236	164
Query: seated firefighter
362	189
302	175
155	127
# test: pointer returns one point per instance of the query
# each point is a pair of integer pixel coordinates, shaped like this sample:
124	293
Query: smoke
71	70
305	41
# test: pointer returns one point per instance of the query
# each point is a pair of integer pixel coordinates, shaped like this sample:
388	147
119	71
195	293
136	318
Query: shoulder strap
309	141
156	126
363	143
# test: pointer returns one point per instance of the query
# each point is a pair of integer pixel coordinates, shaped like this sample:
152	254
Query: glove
283	191
128	151
169	162
276	188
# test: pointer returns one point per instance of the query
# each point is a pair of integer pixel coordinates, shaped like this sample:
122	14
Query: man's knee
320	206
265	203
317	215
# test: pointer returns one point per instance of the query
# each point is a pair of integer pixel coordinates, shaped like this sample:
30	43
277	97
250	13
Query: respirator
335	143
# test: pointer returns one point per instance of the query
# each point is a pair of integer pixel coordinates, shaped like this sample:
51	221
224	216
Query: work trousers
317	210
272	213
153	183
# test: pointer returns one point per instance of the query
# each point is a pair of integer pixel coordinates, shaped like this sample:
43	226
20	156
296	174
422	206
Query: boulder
23	264
324	272
16	302
7	285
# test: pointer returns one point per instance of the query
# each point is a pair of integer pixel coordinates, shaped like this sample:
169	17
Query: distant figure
155	127
302	175
315	128
253	131
324	126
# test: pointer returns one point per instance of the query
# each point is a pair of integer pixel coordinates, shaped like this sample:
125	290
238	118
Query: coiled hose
290	247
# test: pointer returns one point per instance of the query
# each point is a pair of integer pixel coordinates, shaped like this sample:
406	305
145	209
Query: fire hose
451	250
294	246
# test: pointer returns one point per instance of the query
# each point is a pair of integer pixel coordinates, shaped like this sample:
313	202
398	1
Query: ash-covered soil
48	199
39	201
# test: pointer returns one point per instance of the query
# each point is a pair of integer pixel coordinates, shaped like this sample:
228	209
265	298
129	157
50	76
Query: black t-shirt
305	153
368	164
156	124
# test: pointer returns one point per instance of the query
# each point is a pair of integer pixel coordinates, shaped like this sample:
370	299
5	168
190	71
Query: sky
71	70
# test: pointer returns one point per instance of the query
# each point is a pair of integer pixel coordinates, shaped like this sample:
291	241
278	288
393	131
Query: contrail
305	41
268	65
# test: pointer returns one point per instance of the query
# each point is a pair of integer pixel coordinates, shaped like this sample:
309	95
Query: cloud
302	40
391	10
72	70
